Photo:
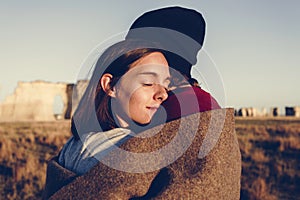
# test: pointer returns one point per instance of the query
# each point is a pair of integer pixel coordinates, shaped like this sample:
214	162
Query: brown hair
93	113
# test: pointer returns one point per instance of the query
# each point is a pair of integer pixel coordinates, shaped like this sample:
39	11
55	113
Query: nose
160	93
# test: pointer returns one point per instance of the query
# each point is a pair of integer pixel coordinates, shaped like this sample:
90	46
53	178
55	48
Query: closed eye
167	88
148	84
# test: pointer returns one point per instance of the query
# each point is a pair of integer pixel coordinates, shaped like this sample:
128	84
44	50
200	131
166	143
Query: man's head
179	30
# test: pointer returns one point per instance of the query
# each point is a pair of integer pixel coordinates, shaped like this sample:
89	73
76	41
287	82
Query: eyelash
151	84
148	84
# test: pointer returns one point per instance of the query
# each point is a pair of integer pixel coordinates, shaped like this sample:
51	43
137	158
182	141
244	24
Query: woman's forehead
152	58
154	70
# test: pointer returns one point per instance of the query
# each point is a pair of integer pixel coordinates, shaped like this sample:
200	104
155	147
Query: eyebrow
154	74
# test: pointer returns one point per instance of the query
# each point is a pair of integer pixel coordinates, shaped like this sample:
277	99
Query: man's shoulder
193	90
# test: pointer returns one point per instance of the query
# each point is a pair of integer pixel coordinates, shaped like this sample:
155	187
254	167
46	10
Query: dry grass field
24	151
270	152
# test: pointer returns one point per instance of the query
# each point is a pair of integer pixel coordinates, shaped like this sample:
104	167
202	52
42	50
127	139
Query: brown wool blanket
195	157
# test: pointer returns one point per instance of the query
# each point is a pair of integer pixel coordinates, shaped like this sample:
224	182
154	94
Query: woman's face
141	90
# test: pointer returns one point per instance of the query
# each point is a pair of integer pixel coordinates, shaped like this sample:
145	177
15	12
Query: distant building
34	101
292	111
275	111
247	112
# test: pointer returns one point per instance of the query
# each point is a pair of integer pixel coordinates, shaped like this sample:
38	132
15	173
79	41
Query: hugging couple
140	86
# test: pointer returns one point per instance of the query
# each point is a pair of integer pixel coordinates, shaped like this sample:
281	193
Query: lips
152	109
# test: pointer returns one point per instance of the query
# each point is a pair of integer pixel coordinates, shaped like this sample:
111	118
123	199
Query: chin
142	123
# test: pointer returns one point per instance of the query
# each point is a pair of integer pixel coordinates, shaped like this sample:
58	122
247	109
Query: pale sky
255	45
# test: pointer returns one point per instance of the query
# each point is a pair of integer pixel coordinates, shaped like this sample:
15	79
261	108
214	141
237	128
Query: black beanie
179	30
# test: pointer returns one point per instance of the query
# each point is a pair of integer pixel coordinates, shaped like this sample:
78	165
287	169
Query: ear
105	85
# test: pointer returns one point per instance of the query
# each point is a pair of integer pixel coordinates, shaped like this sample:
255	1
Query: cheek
138	98
132	103
137	108
123	96
126	90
